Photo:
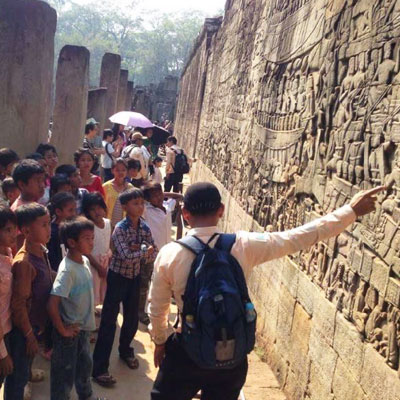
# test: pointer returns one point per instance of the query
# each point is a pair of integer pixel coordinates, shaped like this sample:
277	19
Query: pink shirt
5	299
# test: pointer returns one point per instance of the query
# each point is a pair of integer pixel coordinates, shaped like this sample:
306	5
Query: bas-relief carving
296	131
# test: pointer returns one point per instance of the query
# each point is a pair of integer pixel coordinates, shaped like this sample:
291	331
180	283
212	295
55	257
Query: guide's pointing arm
257	248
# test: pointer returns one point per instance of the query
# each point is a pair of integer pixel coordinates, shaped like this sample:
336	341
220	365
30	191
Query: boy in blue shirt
71	309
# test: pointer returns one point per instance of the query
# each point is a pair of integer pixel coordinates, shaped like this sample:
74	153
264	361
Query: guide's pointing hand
364	202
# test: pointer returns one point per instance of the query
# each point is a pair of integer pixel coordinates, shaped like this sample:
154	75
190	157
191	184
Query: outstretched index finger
373	191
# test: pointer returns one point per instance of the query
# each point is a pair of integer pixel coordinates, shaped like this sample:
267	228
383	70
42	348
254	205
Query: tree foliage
151	46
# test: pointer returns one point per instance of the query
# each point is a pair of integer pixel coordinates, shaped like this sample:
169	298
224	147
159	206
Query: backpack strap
226	241
192	243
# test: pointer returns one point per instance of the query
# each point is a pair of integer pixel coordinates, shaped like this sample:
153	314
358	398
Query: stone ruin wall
292	107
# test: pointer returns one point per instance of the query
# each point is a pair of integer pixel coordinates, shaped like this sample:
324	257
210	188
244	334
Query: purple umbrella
131	118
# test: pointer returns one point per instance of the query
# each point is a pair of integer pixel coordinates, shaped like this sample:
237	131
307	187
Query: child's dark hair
120	161
43	148
92	199
25	170
149	188
71	229
7	156
8	185
57	181
202	199
157	159
134	164
6	215
59	201
35	156
172	139
66	169
28	213
107	133
129	195
80	152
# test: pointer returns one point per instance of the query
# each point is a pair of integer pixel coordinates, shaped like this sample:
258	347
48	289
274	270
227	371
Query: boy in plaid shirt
133	245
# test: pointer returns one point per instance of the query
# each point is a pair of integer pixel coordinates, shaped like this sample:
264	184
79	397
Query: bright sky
209	7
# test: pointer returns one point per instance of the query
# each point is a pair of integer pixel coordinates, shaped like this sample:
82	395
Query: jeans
71	363
119	290
15	383
179	378
146	270
173	181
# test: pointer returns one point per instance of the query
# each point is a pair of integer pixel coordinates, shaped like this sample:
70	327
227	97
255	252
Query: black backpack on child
218	318
181	163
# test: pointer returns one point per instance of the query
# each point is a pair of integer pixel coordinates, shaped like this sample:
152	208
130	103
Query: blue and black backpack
218	318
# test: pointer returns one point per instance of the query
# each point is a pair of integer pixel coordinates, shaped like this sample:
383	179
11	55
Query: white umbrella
130	118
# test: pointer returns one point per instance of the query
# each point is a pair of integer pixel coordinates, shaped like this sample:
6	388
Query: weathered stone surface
349	346
129	96
109	78
122	88
344	386
323	320
292	107
27	30
69	117
97	106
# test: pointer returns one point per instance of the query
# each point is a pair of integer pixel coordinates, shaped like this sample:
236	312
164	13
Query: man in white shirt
179	378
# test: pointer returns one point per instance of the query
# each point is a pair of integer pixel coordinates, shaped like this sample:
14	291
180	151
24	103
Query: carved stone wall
292	107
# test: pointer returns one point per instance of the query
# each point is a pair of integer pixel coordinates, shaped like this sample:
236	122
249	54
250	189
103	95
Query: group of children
69	243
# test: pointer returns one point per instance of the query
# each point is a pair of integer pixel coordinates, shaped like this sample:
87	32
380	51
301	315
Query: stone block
306	292
379	276
290	276
393	292
344	386
323	320
322	356
319	386
129	96
349	346
97	106
70	109
285	320
27	30
122	87
109	78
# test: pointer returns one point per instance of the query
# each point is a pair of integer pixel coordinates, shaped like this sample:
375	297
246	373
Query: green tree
150	48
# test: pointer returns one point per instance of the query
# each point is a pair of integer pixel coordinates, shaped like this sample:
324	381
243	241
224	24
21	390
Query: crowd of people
74	237
77	237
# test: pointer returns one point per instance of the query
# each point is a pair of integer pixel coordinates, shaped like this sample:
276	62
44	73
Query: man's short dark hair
202	198
129	195
172	139
72	229
6	215
25	170
29	213
149	188
89	127
92	199
8	185
66	169
7	156
57	181
134	164
43	148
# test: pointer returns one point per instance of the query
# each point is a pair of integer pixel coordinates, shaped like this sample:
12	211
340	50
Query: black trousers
173	182
179	378
119	290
